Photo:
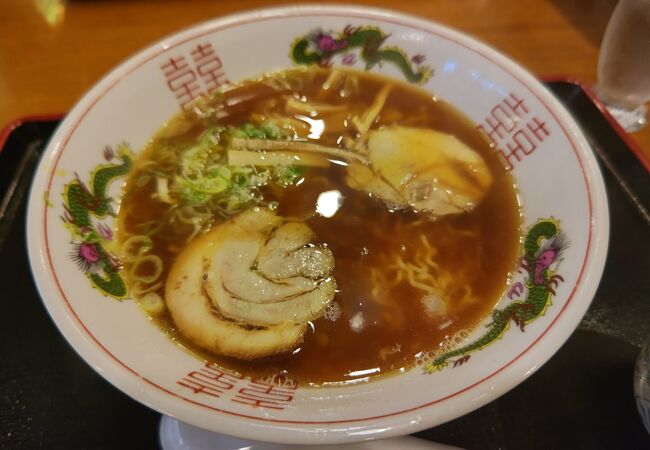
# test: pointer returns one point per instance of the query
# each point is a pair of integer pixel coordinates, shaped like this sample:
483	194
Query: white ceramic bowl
556	172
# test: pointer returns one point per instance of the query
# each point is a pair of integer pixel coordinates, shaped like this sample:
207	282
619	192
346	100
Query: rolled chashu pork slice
248	287
423	169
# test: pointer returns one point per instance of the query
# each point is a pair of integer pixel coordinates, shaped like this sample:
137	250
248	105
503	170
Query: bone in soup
319	226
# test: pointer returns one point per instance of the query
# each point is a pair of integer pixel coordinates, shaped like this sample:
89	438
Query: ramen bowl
78	185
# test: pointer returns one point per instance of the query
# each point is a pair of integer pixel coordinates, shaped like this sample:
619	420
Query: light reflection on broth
408	283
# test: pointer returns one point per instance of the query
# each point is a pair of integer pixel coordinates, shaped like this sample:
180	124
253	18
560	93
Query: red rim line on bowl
348	14
328	14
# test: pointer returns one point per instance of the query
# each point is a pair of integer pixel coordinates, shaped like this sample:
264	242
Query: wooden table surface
52	51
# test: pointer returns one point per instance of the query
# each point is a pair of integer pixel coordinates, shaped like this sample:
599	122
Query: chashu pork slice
221	301
424	169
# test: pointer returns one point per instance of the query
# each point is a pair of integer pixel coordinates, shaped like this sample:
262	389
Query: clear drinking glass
642	384
624	64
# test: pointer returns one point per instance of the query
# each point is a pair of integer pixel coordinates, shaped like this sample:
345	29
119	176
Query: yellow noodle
399	277
333	80
364	123
150	227
135	247
350	86
419	270
138	288
294	105
147	259
277	83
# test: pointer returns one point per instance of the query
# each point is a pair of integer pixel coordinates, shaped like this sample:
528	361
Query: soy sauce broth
373	327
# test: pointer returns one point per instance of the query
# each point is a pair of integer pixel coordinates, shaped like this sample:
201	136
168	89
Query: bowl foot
177	435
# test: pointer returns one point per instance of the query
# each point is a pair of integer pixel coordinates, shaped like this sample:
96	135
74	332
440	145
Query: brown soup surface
382	318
